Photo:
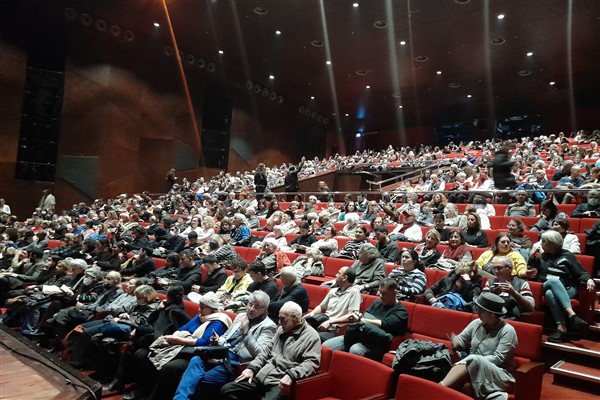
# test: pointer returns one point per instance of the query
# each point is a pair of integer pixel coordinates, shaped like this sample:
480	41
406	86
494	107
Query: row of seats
350	377
500	208
576	225
424	322
582	304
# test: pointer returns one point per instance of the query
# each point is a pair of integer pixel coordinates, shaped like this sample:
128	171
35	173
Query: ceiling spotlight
399	106
312	97
220	51
347	115
271	77
529	54
328	62
278	32
368	87
439	72
500	16
358	134
469	96
156	25
402	43
355	5
552	83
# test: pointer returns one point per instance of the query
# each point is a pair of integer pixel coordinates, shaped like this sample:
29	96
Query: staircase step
583	347
576	371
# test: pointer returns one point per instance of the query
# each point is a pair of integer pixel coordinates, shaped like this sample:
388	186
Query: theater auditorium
299	199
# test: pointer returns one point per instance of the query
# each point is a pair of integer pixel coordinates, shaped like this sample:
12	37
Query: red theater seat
350	377
413	388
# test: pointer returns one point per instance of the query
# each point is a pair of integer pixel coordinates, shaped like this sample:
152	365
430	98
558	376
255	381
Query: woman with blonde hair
502	247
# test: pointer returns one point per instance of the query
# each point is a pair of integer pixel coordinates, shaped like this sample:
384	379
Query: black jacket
214	281
187	277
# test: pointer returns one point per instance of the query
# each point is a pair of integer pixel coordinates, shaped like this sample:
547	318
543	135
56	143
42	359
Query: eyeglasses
500	268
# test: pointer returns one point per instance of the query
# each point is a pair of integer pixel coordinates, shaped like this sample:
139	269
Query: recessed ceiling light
552	83
220	51
358	134
312	97
278	32
328	62
469	96
347	115
260	10
400	107
368	87
501	16
529	54
355	5
439	72
271	77
402	43
156	25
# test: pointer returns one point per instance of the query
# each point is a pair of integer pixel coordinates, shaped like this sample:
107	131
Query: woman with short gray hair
561	274
369	268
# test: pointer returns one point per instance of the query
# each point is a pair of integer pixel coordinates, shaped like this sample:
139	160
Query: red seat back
349	369
413	388
316	294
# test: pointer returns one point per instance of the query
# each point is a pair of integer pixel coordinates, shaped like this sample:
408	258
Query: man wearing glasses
515	291
249	335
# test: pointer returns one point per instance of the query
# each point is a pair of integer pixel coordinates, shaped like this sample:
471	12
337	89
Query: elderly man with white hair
294	353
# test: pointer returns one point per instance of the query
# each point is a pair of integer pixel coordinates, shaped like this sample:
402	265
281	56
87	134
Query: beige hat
209	299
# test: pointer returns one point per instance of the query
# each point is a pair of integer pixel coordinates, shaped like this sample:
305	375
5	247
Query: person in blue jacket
158	379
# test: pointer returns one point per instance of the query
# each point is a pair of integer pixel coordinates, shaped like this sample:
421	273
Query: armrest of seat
313	387
533	317
528	379
586	303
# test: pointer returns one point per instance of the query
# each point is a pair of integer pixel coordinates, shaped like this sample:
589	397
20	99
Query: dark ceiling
384	54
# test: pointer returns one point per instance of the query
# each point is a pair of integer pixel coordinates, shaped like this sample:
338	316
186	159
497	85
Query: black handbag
316	320
361	332
208	352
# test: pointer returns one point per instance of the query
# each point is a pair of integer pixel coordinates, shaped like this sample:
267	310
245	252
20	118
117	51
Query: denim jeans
559	298
198	378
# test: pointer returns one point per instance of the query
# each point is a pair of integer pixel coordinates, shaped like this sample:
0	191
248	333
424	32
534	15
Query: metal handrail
434	163
493	192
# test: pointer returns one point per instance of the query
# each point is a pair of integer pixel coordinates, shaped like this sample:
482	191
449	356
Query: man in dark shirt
388	249
386	315
139	265
305	239
292	291
565	171
262	281
188	273
591	209
215	277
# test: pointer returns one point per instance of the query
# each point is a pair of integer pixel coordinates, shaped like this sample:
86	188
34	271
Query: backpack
422	358
452	301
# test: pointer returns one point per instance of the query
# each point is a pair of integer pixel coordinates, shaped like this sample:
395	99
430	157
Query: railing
495	193
413	172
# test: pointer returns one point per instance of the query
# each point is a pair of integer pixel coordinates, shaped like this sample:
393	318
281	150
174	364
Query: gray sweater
296	354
